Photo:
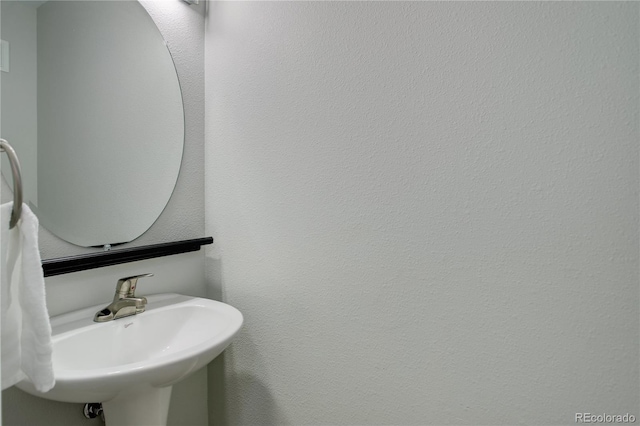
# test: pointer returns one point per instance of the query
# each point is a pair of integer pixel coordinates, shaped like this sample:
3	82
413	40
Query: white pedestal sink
130	364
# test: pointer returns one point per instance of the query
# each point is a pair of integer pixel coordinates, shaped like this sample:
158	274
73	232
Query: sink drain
93	410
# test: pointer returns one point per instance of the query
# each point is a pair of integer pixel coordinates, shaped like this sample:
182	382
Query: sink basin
134	361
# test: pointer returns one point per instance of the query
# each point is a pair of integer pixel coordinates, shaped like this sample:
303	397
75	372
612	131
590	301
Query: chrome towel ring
17	182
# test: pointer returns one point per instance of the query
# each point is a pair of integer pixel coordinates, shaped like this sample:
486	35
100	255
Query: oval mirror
92	105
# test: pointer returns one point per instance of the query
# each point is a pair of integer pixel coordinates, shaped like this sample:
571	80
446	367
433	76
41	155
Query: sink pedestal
144	405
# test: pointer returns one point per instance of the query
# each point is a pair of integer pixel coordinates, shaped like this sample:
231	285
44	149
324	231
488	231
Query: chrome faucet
125	302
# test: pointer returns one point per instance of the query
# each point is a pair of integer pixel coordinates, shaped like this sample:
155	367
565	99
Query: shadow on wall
227	389
227	393
22	411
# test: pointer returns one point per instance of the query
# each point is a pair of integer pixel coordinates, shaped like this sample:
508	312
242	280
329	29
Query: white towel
26	330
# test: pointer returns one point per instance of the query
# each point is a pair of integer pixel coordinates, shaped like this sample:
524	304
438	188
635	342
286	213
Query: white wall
427	212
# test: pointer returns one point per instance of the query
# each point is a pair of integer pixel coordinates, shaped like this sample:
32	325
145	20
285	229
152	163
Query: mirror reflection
92	104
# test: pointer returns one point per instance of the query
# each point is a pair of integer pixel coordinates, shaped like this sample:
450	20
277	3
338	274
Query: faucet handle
126	286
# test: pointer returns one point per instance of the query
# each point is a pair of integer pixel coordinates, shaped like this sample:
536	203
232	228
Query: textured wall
427	212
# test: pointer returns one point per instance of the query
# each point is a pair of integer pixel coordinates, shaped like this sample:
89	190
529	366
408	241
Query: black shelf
68	264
